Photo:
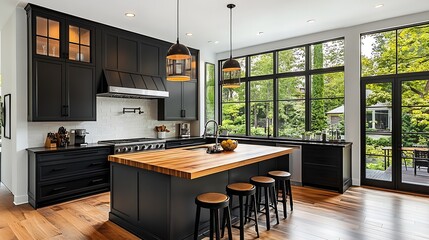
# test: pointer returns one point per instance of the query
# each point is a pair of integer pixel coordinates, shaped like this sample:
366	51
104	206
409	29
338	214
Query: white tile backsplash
111	122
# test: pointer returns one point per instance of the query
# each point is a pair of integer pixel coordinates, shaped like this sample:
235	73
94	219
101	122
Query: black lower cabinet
58	176
158	206
327	166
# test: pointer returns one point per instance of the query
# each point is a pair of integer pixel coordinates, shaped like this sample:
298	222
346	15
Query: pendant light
178	59
231	69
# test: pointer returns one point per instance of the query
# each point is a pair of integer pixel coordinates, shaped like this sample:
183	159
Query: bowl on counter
229	145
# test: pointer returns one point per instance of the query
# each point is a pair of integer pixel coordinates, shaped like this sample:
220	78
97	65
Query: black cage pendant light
178	59
231	69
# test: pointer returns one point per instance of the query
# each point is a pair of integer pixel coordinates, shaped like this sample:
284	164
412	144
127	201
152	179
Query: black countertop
170	139
68	148
286	141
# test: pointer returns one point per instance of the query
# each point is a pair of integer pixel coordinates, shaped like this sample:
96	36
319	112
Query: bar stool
268	184
242	190
214	202
283	182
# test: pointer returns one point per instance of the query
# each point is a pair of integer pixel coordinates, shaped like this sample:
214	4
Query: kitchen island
152	193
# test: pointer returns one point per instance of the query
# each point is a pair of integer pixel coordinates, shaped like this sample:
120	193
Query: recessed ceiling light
260	33
379	5
216	42
311	21
188	34
130	14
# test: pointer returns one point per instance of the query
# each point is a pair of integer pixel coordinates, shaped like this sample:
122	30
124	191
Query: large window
287	92
234	110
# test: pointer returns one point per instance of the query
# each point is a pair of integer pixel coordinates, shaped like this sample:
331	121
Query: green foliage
291	92
210	91
411	47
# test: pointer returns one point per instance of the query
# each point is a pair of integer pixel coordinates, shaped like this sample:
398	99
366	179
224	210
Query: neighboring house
378	116
335	115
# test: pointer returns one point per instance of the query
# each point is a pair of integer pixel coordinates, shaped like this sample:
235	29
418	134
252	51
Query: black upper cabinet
182	104
130	52
61	58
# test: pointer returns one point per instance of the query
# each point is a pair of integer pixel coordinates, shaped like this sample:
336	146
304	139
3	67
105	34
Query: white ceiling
208	20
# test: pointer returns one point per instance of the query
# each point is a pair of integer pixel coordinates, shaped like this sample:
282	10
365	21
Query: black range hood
132	85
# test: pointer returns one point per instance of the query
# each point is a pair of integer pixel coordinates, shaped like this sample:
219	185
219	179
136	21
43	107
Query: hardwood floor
360	213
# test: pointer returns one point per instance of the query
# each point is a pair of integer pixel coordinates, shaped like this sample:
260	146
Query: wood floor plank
360	213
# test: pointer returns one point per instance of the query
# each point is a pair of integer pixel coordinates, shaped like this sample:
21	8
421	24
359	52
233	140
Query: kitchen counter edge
64	149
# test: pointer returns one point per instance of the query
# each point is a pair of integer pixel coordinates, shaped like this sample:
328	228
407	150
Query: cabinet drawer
320	175
73	154
73	186
323	155
64	168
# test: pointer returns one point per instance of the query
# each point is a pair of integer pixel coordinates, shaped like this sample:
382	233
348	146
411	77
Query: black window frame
275	76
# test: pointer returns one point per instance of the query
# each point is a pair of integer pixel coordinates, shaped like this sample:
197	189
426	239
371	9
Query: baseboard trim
18	200
356	181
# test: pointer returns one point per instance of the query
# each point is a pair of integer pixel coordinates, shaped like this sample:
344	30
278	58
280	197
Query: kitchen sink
207	149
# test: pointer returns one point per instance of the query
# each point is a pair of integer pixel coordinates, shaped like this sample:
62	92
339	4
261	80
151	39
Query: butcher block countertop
193	162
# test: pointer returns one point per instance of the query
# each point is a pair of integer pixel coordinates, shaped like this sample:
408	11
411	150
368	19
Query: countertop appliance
77	136
135	144
184	129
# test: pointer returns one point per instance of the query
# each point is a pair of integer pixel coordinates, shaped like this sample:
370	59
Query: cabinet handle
58	189
58	169
97	180
96	164
183	113
65	110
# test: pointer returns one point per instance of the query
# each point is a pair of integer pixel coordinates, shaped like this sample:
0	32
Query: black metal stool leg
267	207
256	214
240	199
284	196
211	223
290	195
197	223
228	219
246	210
217	229
274	200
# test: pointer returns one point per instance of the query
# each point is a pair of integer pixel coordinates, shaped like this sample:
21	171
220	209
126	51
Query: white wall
111	122
352	70
14	74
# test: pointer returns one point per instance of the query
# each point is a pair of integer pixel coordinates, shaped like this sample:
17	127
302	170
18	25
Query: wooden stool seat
279	174
284	186
242	190
215	202
212	198
262	180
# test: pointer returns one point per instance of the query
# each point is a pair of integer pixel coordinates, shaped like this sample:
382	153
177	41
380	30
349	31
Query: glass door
377	120
414	171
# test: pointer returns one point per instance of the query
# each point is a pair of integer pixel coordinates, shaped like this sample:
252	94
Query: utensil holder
161	134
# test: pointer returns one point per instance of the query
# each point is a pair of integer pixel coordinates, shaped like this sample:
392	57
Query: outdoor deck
422	177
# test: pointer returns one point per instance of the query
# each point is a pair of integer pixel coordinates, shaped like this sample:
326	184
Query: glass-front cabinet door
79	44
63	41
48	37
